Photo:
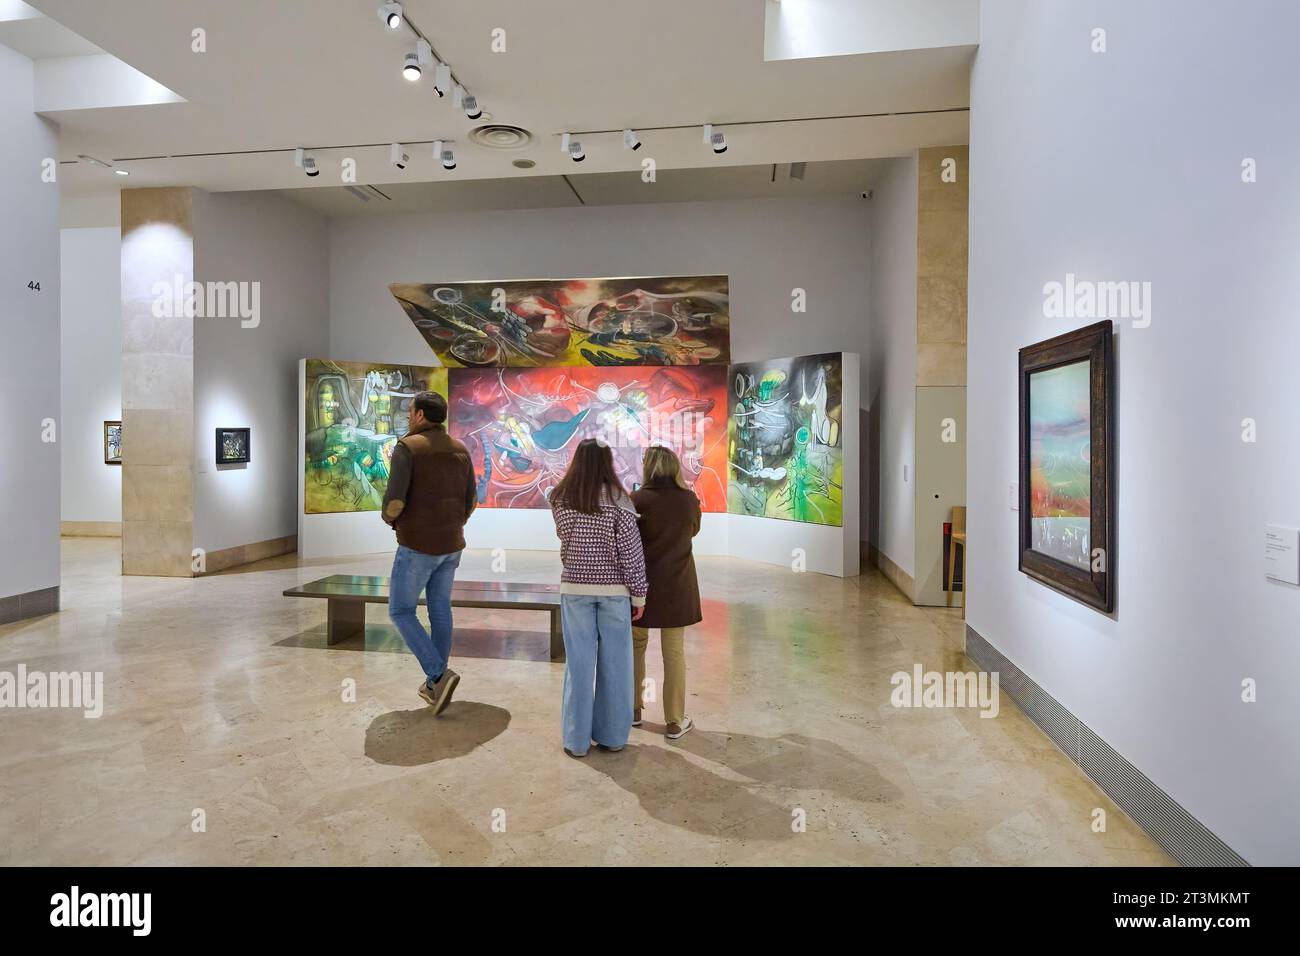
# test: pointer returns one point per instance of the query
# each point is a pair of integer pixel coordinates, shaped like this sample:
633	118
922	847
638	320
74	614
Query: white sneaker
679	730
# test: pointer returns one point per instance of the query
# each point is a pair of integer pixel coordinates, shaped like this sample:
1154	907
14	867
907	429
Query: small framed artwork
232	446
112	443
1067	464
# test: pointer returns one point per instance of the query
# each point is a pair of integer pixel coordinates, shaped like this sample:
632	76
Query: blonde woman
670	518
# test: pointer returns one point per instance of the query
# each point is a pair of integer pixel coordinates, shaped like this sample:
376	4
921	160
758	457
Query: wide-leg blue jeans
598	670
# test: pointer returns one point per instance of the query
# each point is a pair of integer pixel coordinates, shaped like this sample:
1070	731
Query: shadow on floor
490	643
413	738
680	792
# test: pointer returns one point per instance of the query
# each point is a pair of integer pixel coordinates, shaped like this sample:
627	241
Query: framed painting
112	443
233	446
1067	464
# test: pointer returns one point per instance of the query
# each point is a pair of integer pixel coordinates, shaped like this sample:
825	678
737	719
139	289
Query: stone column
157	382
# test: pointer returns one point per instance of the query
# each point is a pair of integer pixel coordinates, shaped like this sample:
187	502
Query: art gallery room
963	334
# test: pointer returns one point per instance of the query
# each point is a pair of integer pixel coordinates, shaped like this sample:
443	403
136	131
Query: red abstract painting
521	425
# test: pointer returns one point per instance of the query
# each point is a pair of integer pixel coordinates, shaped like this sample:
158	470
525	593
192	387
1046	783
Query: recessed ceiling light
523	164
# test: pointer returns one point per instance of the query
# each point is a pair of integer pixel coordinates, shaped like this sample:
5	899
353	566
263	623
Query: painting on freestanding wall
573	322
522	425
784	447
1067	462
354	414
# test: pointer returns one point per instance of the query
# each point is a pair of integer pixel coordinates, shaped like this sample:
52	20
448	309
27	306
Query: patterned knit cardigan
601	552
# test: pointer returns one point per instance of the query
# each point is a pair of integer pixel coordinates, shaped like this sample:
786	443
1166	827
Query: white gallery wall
768	248
246	369
91	342
1127	166
889	375
29	327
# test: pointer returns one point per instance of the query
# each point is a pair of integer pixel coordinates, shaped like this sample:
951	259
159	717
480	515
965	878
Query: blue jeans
413	572
597	671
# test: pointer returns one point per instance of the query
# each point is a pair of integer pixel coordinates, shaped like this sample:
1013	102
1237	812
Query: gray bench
346	597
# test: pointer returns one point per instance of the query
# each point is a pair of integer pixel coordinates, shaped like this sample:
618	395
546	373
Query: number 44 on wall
34	286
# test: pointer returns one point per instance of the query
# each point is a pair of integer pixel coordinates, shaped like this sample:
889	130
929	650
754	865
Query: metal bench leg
557	636
347	619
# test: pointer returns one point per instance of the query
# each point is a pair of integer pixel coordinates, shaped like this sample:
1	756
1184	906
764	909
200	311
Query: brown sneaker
636	718
439	695
673	731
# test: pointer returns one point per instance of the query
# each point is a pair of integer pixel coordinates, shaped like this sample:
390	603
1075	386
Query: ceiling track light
442	151
305	162
572	148
411	67
391	14
442	81
630	139
471	107
716	140
397	157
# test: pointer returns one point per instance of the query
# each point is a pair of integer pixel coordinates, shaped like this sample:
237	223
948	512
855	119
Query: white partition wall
825	549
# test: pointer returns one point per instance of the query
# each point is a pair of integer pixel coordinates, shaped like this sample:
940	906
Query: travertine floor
222	697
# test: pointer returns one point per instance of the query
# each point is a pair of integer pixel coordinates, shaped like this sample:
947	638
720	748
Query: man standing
431	493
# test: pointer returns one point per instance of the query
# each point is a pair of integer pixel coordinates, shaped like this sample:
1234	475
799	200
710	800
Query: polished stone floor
224	706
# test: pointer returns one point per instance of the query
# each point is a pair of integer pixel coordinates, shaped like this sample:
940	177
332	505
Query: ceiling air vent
500	136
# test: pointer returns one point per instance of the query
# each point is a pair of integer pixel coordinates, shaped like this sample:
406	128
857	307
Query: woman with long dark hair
602	591
670	518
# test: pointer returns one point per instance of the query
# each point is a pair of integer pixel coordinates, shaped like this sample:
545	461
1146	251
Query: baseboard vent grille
1184	837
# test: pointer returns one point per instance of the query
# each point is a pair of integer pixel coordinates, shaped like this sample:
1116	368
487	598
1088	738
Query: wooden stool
958	537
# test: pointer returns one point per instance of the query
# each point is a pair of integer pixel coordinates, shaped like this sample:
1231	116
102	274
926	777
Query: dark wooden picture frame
1093	585
108	459
248	447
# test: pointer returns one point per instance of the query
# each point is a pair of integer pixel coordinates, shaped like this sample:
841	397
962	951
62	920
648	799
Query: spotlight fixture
397	157
630	140
442	79
411	67
391	14
443	152
471	107
572	147
306	163
121	172
716	140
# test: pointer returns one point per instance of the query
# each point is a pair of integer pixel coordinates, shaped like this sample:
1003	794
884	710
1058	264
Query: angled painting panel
568	322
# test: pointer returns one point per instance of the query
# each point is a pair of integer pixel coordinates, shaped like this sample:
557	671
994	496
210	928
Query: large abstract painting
1067	533
521	425
785	448
355	413
573	322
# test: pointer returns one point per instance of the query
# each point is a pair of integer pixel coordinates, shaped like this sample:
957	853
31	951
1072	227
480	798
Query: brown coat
670	517
431	491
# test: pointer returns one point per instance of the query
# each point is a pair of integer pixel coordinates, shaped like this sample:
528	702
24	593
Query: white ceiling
325	74
25	30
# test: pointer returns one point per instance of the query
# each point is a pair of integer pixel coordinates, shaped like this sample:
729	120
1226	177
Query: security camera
866	194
